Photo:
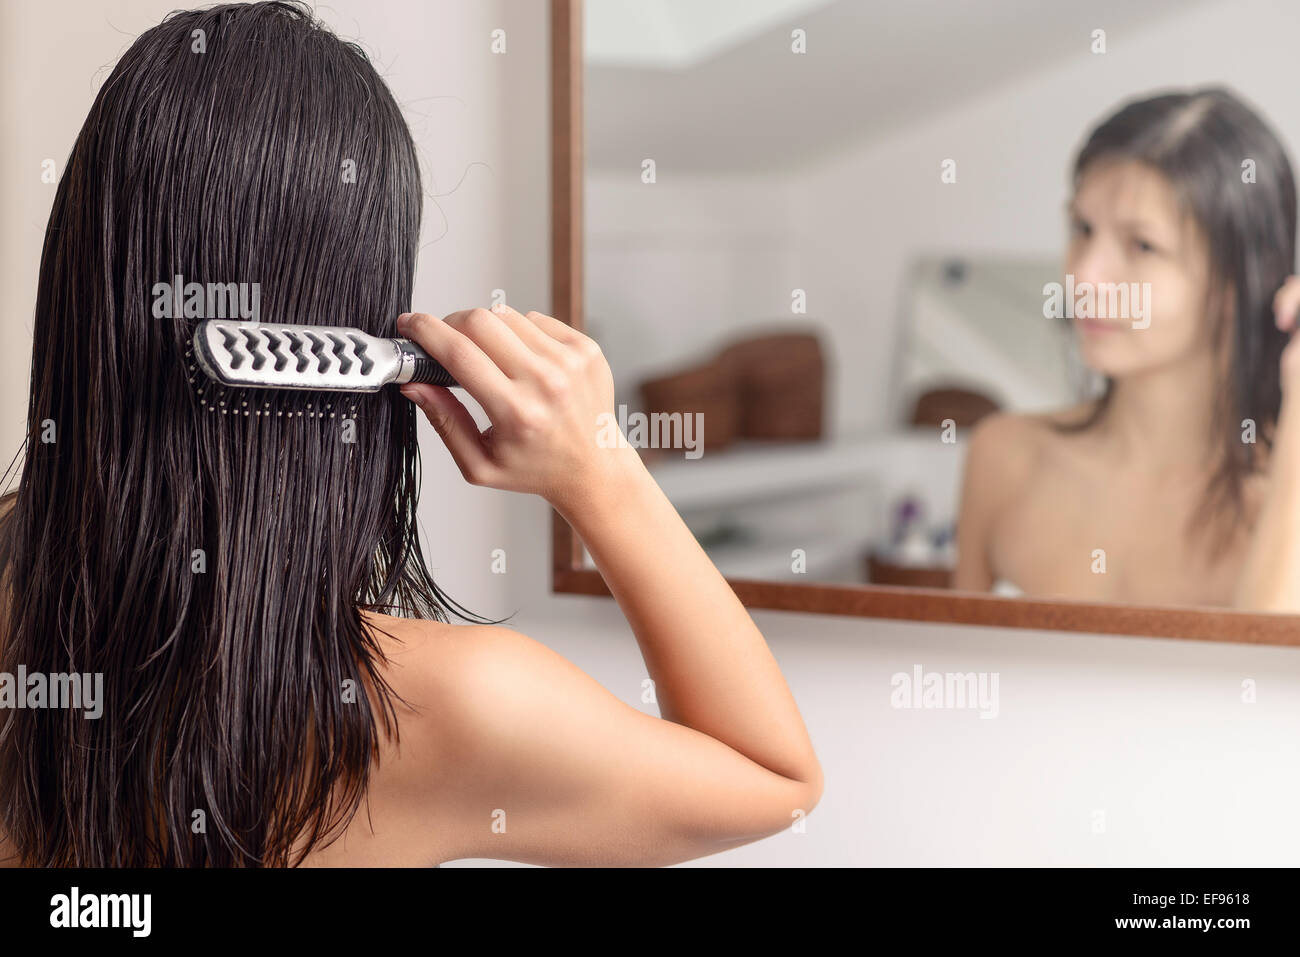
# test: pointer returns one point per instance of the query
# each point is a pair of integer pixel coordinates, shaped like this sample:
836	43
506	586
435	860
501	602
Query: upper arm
983	489
545	766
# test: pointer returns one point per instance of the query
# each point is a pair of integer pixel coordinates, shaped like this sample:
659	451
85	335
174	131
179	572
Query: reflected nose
1094	266
1091	264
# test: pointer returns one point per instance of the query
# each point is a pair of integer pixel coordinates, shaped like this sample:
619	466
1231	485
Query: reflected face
1126	228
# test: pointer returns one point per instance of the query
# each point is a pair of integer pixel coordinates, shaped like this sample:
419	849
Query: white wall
678	267
1151	732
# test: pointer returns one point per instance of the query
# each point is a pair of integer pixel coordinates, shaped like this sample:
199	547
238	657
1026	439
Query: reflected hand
1286	309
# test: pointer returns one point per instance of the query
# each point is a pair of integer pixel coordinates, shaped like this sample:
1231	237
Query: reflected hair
1199	141
209	551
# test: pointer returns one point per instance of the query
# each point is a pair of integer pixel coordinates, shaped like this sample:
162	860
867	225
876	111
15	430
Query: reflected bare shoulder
1017	440
1008	450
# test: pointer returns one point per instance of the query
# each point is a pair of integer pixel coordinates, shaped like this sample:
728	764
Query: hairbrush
264	355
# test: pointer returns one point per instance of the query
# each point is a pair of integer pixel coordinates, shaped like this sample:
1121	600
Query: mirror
856	296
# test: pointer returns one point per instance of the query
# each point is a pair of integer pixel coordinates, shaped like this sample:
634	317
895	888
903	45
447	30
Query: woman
1150	492
228	561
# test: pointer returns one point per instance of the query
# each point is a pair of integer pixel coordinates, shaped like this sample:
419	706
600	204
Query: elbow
814	785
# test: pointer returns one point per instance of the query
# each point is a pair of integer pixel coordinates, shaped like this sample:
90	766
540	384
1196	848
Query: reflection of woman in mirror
1150	493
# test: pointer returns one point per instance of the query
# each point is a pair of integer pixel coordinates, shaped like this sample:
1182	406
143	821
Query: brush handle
419	366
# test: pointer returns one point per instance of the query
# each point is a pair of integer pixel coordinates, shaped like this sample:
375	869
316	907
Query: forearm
1270	575
711	666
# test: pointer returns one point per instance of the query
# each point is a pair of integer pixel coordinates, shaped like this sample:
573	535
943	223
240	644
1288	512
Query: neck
1162	420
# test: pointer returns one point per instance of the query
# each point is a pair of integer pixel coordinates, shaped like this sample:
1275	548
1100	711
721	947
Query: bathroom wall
1109	751
677	269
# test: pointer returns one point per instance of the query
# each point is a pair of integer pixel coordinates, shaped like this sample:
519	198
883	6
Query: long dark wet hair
1199	140
207	550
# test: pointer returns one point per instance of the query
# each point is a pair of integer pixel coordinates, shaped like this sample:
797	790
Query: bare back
511	752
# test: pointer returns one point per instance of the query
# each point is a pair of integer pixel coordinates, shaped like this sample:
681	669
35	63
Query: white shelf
756	470
771	561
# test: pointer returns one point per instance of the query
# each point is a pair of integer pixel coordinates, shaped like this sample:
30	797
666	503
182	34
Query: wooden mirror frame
568	574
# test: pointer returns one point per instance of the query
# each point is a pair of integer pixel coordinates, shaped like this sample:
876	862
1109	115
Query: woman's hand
1269	579
542	384
1286	307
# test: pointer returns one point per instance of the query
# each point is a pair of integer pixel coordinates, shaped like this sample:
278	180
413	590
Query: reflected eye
1142	246
1080	228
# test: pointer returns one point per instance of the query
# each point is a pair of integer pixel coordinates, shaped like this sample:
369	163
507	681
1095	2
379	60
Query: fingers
460	355
529	332
501	358
559	331
456	426
497	339
1286	303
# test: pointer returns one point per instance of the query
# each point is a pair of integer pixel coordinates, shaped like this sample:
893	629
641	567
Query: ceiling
677	34
713	86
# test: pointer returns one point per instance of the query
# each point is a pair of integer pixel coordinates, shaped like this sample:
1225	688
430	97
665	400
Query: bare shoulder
478	681
526	757
1006	456
1012	443
468	694
441	664
434	666
398	824
1002	446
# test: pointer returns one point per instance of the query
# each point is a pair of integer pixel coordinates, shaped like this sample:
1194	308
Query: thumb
454	425
1286	302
